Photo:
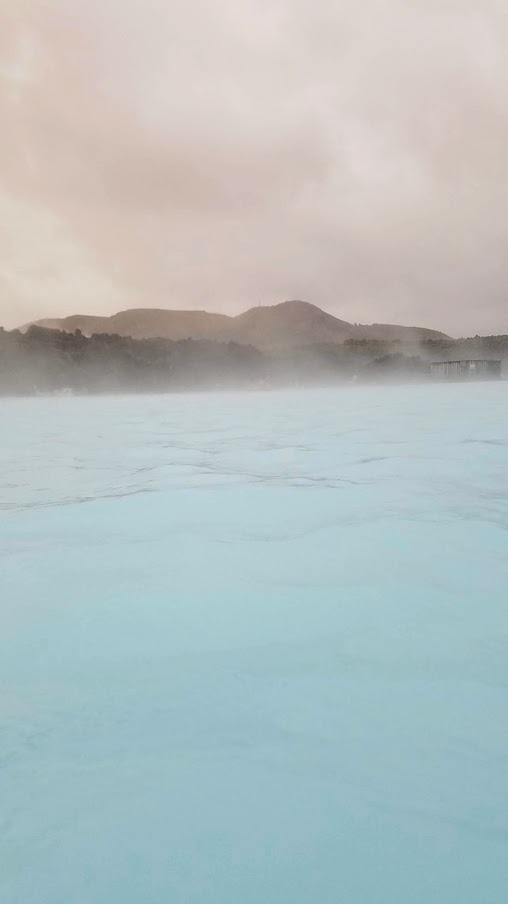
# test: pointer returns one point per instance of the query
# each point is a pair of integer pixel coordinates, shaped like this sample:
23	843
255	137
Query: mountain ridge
267	327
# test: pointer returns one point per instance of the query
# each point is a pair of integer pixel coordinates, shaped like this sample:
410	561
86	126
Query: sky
218	155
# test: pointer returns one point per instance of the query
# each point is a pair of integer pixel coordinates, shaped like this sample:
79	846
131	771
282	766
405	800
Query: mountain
290	324
144	323
390	332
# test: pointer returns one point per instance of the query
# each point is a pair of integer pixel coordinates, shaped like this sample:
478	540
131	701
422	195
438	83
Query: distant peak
297	303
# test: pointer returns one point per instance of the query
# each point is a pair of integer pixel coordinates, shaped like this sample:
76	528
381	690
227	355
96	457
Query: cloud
216	154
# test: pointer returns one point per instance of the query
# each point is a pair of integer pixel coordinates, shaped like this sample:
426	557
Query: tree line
45	361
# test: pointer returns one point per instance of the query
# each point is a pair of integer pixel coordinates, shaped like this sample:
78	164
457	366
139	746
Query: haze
217	155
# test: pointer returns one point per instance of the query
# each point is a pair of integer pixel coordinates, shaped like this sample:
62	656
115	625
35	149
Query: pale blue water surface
254	648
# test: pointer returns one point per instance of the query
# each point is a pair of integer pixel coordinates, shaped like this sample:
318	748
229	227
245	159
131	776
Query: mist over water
254	647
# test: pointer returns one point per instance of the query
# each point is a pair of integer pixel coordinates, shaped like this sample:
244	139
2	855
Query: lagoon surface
254	648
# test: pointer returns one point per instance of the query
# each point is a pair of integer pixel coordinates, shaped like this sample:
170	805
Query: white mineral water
254	648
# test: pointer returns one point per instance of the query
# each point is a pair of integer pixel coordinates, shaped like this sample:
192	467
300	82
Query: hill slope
291	323
286	325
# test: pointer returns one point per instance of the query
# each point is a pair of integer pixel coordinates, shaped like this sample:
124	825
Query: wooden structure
468	369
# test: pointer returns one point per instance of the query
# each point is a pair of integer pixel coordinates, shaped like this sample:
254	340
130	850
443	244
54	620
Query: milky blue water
254	648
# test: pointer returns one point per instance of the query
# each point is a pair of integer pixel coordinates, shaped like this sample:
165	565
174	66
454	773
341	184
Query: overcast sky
224	153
